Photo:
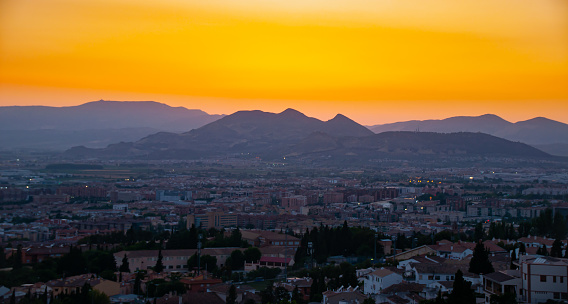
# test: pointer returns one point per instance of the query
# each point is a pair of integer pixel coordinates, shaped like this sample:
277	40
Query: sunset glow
374	61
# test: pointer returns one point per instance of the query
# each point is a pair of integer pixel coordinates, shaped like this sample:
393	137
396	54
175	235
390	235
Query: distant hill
540	132
248	132
93	124
291	134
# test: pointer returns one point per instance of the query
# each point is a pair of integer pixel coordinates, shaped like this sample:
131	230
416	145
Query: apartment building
543	278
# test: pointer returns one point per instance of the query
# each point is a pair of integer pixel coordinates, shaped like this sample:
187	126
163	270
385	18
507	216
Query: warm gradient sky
375	61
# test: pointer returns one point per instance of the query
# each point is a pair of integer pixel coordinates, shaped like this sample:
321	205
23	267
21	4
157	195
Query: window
543	278
561	279
437	277
557	295
553	279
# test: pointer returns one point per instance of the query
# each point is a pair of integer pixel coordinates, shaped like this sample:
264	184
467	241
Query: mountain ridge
540	132
94	124
287	134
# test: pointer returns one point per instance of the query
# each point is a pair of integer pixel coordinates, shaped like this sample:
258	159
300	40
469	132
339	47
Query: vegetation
479	262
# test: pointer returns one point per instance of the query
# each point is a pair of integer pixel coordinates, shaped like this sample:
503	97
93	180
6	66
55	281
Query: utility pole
286	255
310	252
375	260
394	237
198	254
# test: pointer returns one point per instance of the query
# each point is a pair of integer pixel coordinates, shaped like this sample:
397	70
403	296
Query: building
380	279
261	238
173	259
215	220
294	202
501	282
543	278
270	262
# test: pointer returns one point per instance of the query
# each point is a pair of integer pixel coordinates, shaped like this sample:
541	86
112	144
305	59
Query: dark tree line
73	263
344	240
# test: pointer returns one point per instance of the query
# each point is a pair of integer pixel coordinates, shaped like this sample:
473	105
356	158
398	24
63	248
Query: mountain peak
340	117
292	113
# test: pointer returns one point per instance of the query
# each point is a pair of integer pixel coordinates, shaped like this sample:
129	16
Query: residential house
380	279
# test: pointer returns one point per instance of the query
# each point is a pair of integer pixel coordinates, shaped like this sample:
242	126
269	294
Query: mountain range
135	129
293	135
548	135
93	124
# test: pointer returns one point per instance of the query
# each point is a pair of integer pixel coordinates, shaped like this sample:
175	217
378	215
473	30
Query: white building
502	282
380	279
543	278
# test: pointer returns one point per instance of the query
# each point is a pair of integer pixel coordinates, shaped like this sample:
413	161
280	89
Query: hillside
539	132
93	124
291	134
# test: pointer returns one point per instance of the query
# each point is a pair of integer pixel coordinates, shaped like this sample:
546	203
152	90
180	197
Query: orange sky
375	61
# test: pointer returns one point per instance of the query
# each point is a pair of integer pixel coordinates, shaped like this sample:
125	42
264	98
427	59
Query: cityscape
283	152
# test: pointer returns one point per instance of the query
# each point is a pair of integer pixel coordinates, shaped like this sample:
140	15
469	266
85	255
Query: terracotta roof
206	297
381	272
498	277
403	287
398	300
275	260
349	296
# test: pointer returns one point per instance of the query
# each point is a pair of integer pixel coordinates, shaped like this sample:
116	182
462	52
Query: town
240	230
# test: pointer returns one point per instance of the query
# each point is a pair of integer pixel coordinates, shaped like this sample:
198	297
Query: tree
479	233
297	296
556	250
480	263
237	260
506	298
207	262
369	301
232	296
281	295
462	292
439	299
559	226
73	263
98	297
2	257
542	250
252	254
267	295
522	249
18	258
138	283
124	267
159	264
513	258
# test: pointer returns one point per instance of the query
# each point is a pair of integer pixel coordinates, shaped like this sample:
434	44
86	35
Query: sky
375	61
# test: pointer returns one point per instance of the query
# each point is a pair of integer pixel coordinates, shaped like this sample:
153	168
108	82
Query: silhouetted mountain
95	124
537	131
293	135
251	132
485	124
